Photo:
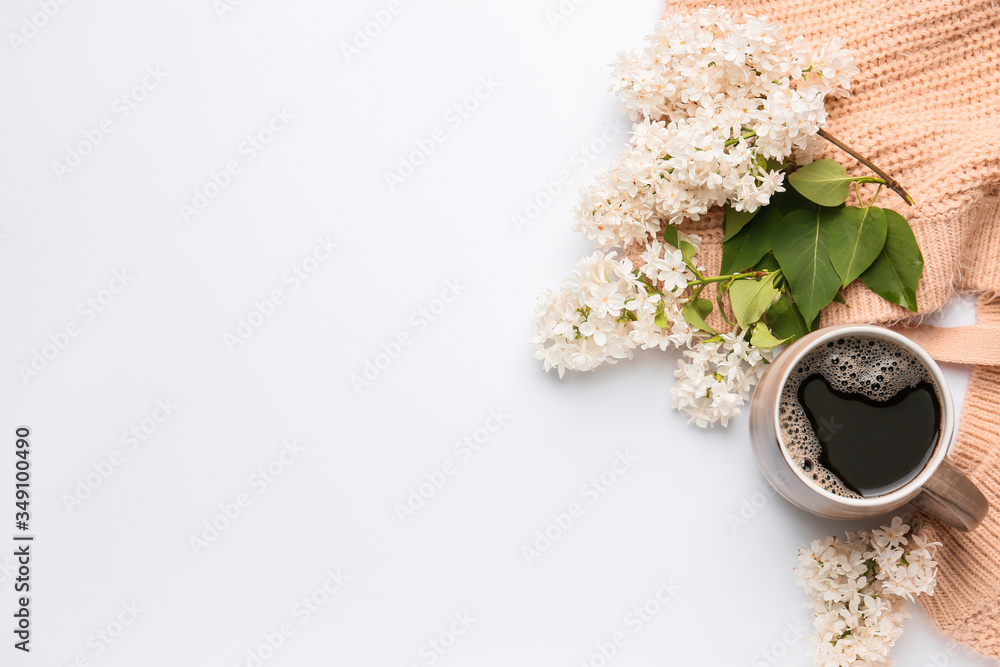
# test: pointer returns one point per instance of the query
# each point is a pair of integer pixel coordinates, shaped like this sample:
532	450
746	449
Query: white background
671	516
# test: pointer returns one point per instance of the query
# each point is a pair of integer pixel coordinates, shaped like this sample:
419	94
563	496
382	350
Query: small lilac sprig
858	588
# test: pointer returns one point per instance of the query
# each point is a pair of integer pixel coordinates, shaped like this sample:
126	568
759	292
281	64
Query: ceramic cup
940	489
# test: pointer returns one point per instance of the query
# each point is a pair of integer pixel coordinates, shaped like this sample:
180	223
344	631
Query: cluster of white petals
859	588
718	107
714	379
608	309
605	311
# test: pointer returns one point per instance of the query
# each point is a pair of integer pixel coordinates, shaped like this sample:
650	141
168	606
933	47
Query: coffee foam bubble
865	365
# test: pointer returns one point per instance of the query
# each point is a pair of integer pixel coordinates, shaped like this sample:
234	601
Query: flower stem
872	202
733	276
890	182
746	134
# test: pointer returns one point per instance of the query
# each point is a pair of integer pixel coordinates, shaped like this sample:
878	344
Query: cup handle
952	497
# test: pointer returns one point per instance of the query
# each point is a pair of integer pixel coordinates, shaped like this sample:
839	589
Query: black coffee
861	416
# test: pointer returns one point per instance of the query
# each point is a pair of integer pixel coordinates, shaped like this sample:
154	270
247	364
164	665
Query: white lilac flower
712	98
605	300
859	587
607	309
586	323
665	265
714	379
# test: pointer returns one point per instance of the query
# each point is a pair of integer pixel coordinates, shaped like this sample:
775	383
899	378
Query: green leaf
895	273
857	236
762	337
672	236
752	242
801	250
825	182
767	263
661	320
750	298
840	298
736	220
789	200
785	320
695	312
688	250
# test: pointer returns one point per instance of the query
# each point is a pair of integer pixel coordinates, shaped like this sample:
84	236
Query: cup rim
946	433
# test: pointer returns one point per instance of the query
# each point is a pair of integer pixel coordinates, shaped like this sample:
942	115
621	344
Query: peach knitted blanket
926	109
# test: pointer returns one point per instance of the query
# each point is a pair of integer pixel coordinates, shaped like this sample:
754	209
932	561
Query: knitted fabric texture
926	109
966	604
